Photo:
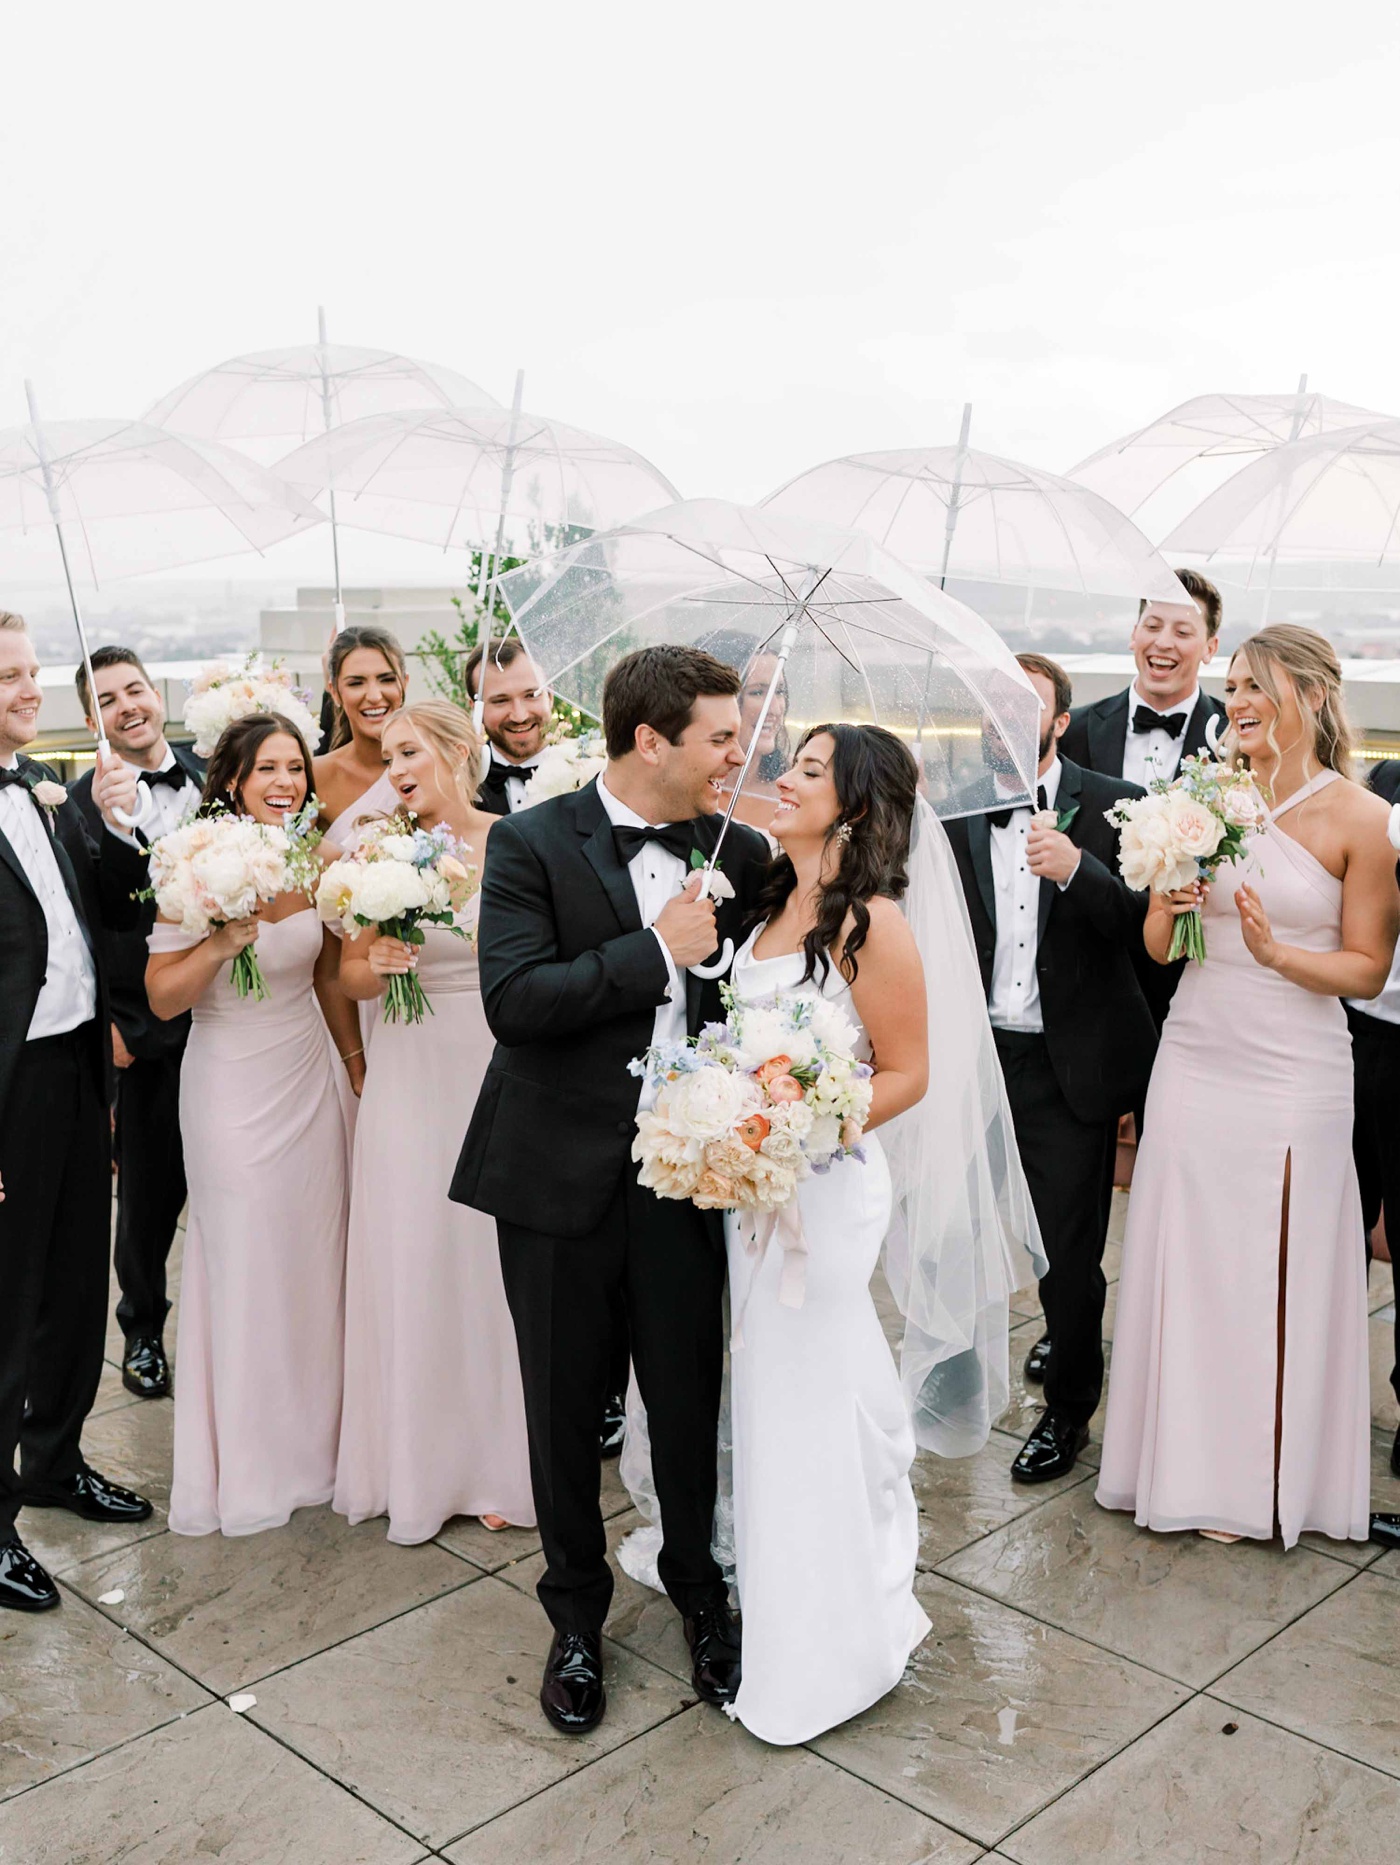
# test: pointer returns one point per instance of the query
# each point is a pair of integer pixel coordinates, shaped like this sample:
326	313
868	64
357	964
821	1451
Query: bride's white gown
825	1523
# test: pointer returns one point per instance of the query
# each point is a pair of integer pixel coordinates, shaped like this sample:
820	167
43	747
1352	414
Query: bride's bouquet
214	869
567	762
223	691
399	878
749	1108
1183	830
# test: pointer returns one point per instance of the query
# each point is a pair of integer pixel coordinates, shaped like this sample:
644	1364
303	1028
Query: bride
824	1425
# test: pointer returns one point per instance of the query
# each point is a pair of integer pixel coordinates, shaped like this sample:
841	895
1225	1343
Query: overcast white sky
742	236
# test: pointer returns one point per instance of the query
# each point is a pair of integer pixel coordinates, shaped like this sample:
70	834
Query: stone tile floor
1088	1692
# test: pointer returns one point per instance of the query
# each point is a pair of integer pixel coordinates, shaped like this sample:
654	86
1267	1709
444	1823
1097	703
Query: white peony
706	1104
766	1033
385	890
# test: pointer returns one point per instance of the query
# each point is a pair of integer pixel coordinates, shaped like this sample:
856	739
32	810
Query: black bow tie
15	776
175	777
677	838
1146	720
493	784
999	818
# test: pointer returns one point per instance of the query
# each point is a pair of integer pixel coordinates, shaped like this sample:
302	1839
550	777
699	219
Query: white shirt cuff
1065	883
673	977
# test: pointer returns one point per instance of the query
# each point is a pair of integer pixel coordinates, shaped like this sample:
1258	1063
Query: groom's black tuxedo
1098	733
55	1157
1069	1083
571	982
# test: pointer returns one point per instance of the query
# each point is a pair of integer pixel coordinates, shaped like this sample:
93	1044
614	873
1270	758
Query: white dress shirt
1148	756
1014	1003
656	876
68	995
515	786
159	808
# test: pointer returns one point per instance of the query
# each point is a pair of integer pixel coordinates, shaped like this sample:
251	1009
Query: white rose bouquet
753	1105
566	763
224	691
1182	831
216	868
399	878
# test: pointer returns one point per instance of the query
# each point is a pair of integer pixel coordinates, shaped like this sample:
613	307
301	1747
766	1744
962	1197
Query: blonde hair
1286	655
447	732
11	624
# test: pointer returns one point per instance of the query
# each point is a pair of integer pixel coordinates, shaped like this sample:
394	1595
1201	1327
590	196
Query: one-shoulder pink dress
1208	1426
262	1314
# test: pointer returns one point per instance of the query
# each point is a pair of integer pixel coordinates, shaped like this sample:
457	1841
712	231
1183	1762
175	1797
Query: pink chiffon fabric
262	1117
434	1419
381	799
1252	1071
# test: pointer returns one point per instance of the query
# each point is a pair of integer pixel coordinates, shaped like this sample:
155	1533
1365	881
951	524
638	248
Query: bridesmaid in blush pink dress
434	1417
258	1385
367	677
1238	1403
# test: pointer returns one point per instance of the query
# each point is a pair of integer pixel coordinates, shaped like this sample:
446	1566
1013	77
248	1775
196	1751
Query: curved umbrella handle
720	966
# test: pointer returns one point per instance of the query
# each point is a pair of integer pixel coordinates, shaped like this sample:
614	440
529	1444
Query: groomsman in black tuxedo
590	923
1057	933
1145	731
147	1052
1375	1049
517	715
56	889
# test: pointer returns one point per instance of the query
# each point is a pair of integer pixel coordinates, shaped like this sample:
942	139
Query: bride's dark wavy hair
877	785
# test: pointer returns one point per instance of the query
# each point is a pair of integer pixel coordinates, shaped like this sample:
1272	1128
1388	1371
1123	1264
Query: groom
589	922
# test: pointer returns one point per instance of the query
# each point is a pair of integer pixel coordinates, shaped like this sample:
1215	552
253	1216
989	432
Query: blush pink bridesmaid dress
1208	1425
262	1318
434	1419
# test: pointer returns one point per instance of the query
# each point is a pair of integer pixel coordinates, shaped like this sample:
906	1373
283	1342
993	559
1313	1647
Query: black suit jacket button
624	1127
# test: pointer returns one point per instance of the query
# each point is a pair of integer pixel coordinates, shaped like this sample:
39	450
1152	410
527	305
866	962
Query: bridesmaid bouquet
1182	831
224	691
399	878
216	868
749	1108
566	763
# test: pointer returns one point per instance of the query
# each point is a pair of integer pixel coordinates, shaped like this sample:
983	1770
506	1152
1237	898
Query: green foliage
445	657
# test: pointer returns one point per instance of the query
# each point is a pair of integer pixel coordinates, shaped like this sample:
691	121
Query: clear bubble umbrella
857	636
115	498
1163	470
271	401
506	480
956	512
1320	514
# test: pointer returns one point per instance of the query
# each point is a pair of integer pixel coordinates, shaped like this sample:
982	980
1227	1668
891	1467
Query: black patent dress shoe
24	1584
572	1694
91	1496
1037	1360
1395	1455
712	1633
1050	1450
614	1425
145	1369
1385	1530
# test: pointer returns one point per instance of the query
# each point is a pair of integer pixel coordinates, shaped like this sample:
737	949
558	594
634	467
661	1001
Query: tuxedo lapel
1195	740
1108	735
979	847
1066	797
600	852
12	861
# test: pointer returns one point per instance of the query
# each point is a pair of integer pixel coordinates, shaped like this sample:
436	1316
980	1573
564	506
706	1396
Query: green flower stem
248	979
1188	937
405	1000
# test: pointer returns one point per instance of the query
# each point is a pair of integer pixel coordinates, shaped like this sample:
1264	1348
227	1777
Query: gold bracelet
352	1054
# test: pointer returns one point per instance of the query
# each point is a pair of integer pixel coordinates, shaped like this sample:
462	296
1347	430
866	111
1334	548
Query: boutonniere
720	887
49	796
1055	819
